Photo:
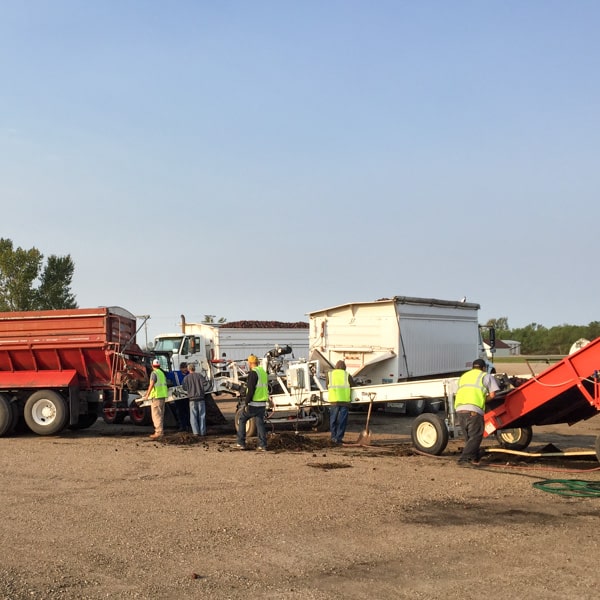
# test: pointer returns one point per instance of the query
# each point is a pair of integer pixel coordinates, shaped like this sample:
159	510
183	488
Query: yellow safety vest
471	389
160	389
261	392
339	386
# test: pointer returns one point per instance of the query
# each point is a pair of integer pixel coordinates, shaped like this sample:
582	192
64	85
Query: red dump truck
62	368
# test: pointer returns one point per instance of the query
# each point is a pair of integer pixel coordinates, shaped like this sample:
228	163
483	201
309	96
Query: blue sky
257	159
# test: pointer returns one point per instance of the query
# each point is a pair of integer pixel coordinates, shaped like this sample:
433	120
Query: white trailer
398	339
226	342
220	351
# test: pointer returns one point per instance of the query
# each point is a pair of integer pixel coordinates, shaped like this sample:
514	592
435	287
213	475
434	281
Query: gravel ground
108	513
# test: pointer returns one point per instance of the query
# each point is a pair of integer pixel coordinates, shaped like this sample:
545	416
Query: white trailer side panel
437	339
238	343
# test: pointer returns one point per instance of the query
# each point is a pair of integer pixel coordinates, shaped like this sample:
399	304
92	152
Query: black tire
111	415
46	412
414	408
322	416
85	421
429	434
598	448
250	424
514	439
15	415
140	415
8	412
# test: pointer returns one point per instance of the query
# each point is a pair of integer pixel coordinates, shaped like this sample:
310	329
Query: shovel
364	437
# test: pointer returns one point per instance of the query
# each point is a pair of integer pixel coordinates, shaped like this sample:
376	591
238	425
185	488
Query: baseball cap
156	362
479	363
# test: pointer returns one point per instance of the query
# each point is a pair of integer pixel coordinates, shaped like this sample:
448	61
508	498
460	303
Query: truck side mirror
492	338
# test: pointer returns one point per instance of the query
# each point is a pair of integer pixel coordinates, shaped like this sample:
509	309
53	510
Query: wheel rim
318	417
511	436
426	435
110	413
43	412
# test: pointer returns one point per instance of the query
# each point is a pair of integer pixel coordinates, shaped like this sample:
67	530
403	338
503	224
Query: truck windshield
168	344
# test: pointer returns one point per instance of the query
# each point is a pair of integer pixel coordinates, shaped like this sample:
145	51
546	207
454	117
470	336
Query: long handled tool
364	437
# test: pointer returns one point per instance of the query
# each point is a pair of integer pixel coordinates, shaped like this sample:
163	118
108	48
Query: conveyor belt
566	392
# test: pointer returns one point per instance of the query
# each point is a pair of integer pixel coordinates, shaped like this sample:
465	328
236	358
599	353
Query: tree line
27	282
537	339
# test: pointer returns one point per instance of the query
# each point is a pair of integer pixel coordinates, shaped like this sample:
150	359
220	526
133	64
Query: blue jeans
258	413
198	416
338	419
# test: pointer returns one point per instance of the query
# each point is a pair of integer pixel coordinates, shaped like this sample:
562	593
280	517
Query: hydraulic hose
570	487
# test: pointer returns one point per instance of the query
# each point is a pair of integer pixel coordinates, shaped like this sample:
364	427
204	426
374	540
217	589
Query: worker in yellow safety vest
157	392
339	396
475	388
254	405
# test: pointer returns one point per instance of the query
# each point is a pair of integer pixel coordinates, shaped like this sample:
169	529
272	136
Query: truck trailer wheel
140	415
429	434
111	415
322	416
514	439
250	423
8	415
46	412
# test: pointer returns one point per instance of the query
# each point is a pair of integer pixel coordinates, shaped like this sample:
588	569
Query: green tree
54	290
21	270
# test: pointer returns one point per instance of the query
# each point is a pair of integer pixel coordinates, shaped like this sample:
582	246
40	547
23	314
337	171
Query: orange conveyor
566	392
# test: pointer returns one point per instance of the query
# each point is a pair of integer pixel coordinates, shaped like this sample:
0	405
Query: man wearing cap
475	388
339	396
157	392
255	404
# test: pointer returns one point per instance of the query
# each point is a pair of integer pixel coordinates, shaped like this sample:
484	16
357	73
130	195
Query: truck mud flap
73	405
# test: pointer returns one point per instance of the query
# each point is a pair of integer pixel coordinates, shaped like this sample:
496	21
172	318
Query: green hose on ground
570	487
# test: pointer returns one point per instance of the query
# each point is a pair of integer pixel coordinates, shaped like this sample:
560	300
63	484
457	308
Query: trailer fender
415	408
20	380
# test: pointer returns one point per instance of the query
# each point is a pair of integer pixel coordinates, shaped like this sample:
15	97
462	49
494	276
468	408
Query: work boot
155	436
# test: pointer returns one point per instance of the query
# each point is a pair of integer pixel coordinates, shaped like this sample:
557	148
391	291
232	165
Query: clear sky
262	159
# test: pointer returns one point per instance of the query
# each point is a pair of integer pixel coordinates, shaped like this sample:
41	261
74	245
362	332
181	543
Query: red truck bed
52	345
566	392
